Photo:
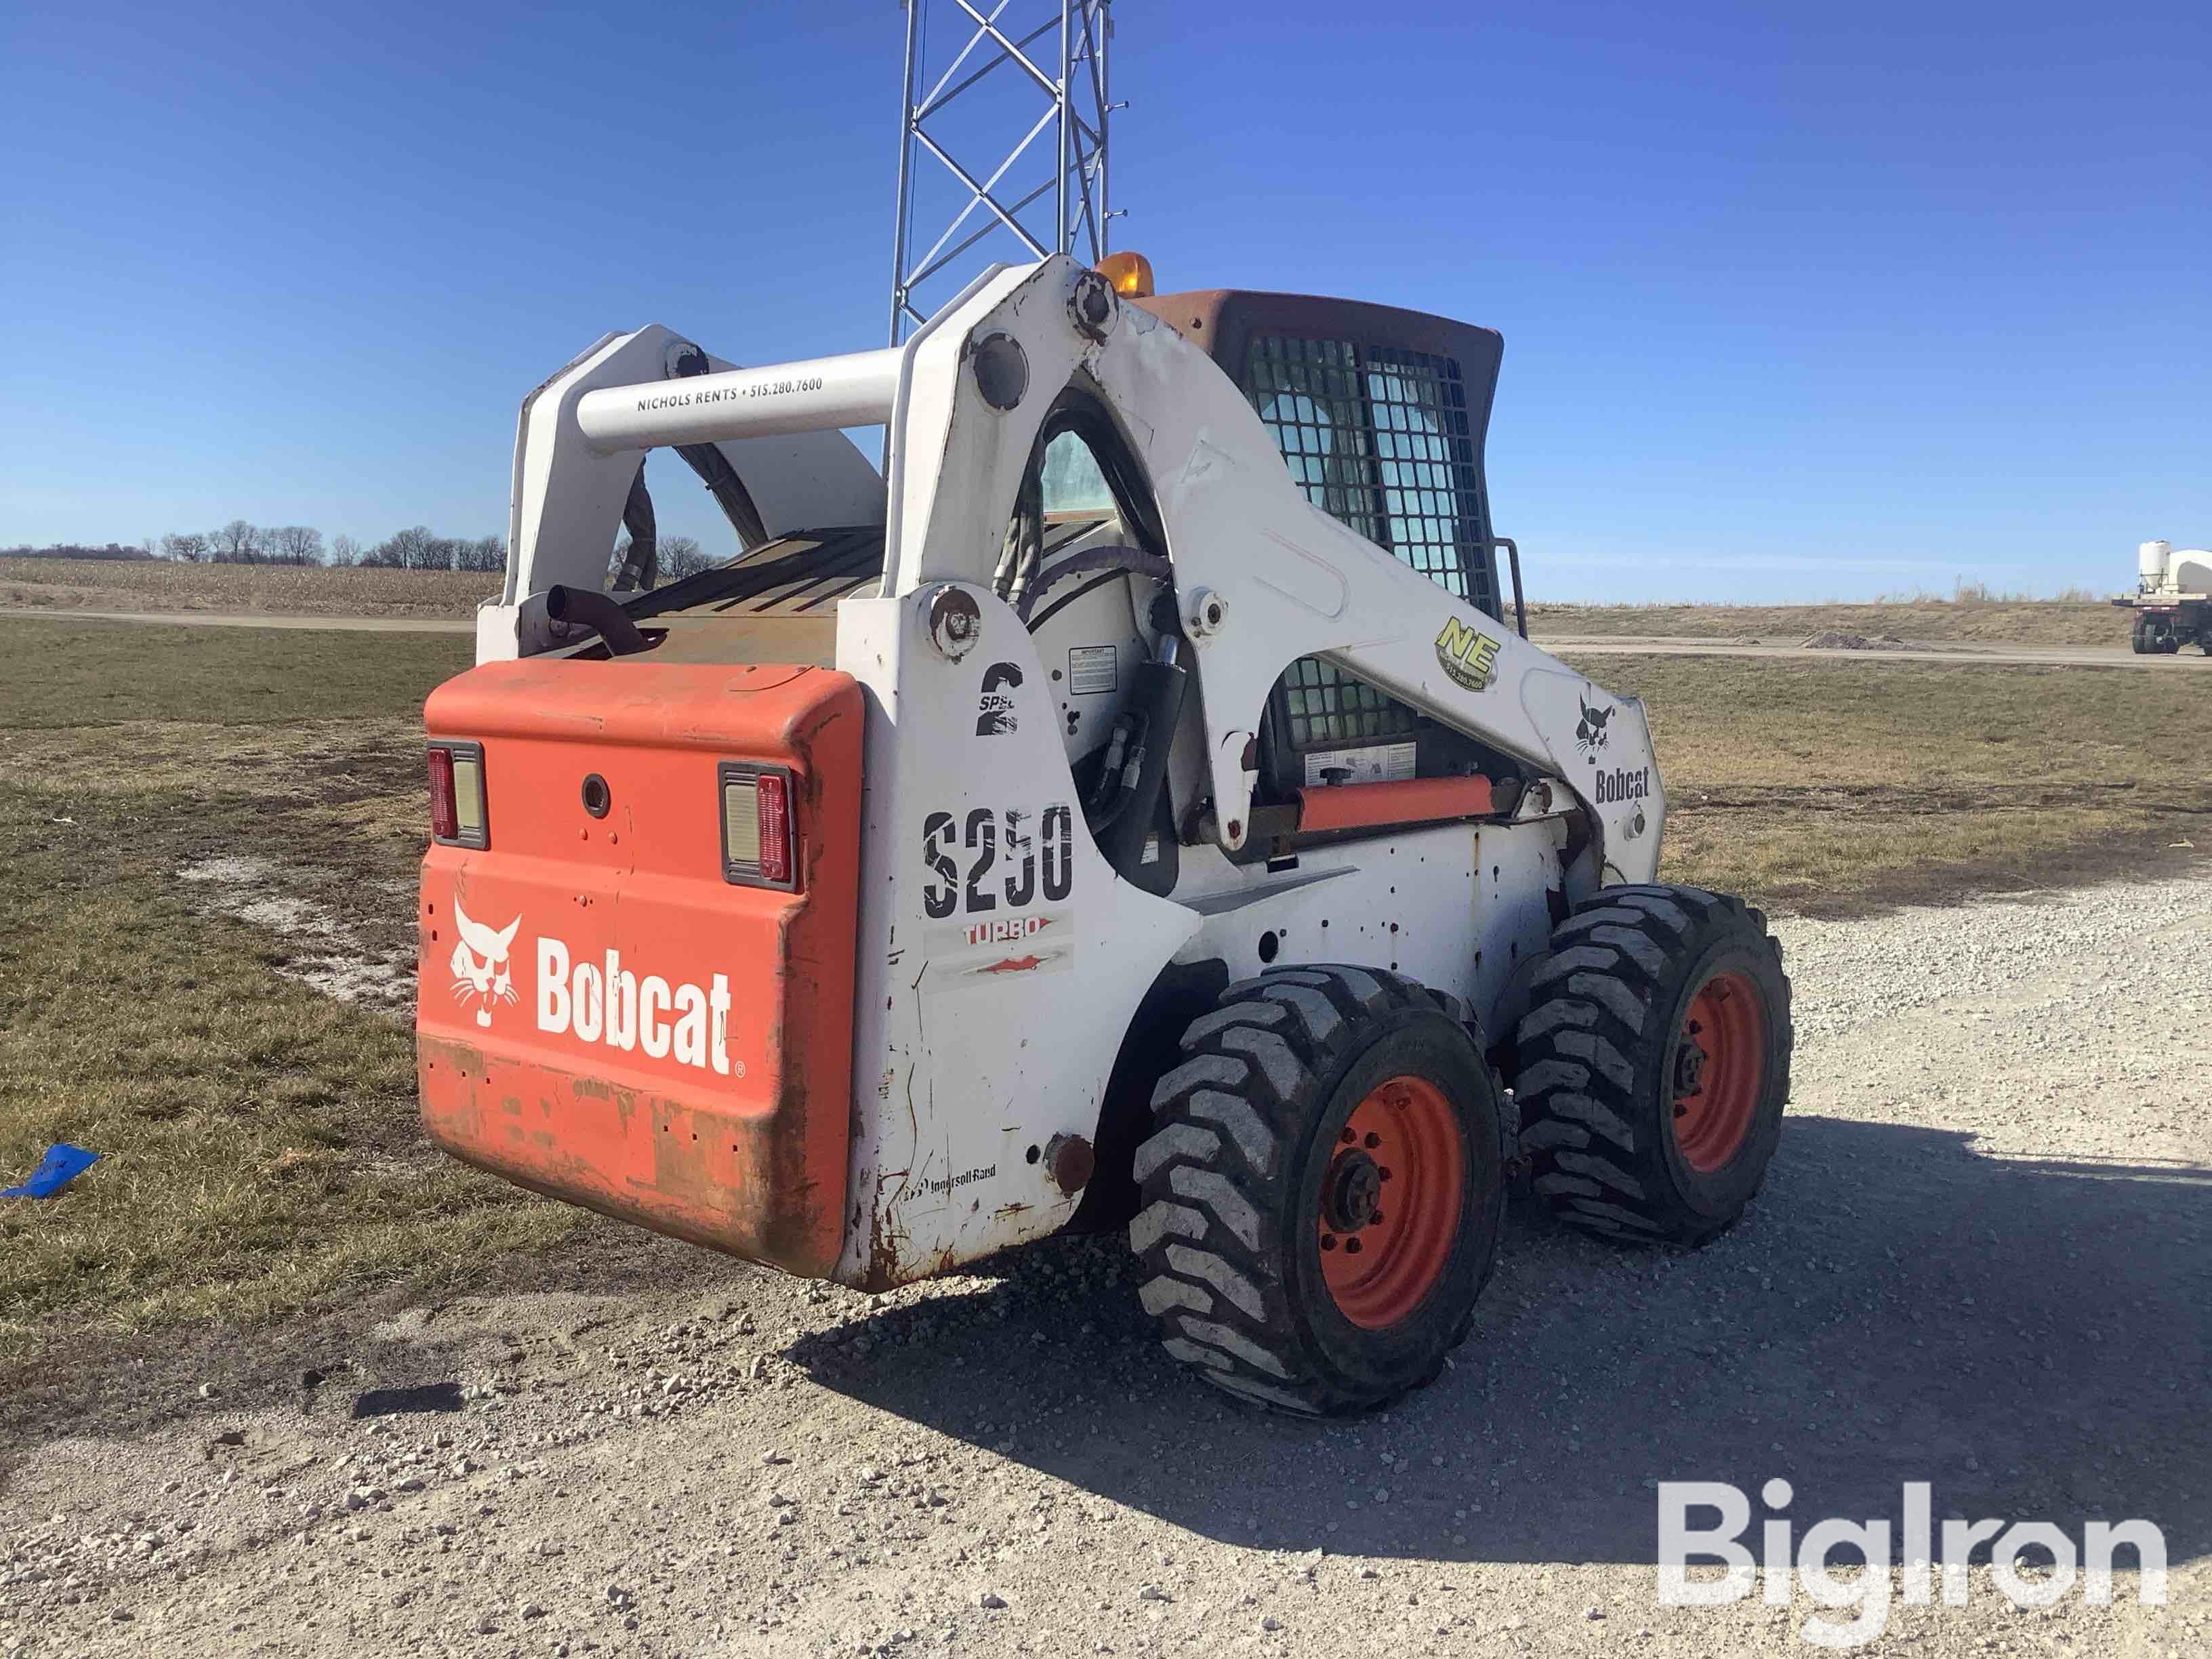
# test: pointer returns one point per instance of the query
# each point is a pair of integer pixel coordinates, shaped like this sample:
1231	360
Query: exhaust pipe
596	611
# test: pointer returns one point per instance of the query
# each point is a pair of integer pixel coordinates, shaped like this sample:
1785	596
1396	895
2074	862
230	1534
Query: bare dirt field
279	590
275	1378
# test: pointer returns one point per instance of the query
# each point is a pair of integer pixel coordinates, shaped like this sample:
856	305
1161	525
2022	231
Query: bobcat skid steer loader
1131	810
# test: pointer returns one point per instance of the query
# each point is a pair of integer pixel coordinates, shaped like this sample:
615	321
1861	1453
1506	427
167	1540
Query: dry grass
1831	787
2007	622
263	1154
261	1149
278	590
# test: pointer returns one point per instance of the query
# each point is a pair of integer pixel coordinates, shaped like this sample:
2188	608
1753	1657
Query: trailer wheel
2139	636
1655	1063
1322	1194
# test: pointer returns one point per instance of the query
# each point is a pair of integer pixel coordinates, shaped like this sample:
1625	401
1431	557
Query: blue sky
1798	301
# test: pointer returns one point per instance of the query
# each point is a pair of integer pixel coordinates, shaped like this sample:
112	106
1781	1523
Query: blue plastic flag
61	1165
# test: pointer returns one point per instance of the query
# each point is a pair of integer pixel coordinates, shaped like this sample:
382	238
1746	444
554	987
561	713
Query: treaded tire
1600	1049
1248	1127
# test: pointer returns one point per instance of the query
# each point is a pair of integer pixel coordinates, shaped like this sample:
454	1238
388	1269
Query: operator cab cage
1380	414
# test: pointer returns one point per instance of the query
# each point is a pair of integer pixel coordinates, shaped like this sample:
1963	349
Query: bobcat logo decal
481	972
1590	734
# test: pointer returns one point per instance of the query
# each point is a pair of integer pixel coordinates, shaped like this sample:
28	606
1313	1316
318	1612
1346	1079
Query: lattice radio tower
1002	133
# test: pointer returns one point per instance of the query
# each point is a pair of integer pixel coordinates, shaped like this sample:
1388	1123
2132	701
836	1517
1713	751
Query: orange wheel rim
1390	1202
1719	1068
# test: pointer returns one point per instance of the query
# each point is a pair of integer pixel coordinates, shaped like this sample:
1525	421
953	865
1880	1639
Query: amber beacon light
1130	273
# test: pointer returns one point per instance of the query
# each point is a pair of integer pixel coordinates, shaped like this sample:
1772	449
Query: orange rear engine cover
602	1016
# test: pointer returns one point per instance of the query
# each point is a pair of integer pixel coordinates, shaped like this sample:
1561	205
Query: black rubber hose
1135	561
1156	697
596	611
641	564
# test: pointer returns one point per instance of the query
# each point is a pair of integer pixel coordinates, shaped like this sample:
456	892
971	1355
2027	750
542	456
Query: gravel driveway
1984	1260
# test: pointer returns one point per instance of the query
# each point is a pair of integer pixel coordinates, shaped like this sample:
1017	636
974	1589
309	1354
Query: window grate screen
1327	708
1378	439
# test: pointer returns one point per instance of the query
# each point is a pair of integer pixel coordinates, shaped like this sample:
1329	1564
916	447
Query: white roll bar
820	394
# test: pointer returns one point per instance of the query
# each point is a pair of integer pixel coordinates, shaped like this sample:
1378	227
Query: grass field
1827	787
260	1136
277	589
263	1154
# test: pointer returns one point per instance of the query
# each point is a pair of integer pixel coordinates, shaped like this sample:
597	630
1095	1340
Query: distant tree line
417	547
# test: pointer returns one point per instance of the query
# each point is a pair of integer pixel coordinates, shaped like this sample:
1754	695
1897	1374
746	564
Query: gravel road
1984	1260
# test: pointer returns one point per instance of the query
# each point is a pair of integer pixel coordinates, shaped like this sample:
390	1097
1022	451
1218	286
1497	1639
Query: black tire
2139	637
1249	1126
1600	1049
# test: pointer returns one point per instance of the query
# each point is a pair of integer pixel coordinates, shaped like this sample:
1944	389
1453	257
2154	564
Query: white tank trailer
2173	600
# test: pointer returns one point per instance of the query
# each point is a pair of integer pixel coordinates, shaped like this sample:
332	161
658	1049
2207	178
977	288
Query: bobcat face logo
480	967
1590	734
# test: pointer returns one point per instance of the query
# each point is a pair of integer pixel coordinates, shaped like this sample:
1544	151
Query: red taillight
457	795
774	827
444	818
760	844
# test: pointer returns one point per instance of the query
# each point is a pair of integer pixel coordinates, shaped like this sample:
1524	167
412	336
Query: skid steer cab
1131	809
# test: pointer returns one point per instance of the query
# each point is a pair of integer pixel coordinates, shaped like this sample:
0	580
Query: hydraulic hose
1114	556
1155	704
